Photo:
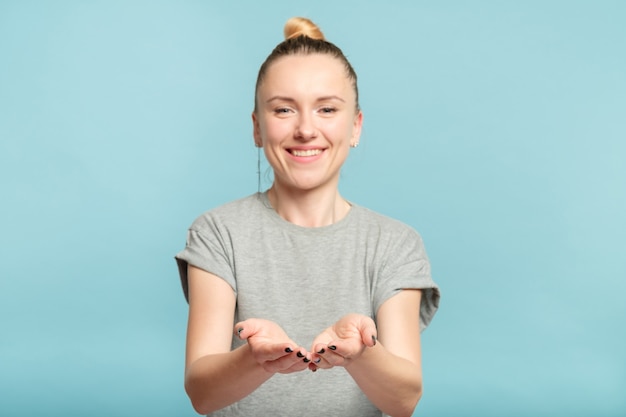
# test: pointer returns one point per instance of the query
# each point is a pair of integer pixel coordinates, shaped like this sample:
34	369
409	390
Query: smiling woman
306	122
296	279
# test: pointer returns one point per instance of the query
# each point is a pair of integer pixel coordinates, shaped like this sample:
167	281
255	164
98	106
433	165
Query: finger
303	355
346	348
318	362
319	348
298	366
252	327
367	329
245	329
328	357
288	363
368	337
269	352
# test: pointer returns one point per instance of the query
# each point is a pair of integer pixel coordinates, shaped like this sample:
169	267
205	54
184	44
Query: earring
258	168
354	145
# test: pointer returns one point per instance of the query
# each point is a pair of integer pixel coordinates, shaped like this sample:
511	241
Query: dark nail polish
300	355
332	347
306	360
374	340
322	350
239	330
318	360
288	350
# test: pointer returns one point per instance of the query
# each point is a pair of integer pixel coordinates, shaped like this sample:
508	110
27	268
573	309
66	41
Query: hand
271	347
343	342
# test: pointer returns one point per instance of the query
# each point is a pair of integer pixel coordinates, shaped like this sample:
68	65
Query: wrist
367	356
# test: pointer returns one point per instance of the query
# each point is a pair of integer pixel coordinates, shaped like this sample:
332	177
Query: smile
308	152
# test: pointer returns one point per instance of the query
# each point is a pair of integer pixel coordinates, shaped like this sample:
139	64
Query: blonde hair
303	37
301	26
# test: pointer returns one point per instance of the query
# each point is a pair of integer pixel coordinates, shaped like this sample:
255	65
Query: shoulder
232	213
384	224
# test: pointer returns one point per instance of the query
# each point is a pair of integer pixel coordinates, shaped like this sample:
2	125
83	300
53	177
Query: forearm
215	381
392	383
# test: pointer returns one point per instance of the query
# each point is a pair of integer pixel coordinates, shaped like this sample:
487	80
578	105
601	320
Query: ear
356	129
256	131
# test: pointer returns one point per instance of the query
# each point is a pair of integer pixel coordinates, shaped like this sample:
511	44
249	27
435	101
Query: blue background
496	129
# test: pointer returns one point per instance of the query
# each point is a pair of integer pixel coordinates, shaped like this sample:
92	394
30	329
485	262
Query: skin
306	103
306	120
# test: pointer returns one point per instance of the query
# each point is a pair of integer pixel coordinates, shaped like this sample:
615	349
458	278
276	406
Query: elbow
199	400
200	404
407	407
415	399
202	410
199	408
406	410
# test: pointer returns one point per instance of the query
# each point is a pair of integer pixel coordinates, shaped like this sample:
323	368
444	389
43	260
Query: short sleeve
205	249
407	267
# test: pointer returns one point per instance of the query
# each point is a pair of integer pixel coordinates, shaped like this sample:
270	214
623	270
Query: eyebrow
289	99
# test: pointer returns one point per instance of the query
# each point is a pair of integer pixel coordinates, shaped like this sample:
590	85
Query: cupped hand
271	347
343	342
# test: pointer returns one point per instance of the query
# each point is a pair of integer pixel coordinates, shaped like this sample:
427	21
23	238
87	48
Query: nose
305	129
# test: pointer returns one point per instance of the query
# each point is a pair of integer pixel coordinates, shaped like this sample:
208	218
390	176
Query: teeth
309	152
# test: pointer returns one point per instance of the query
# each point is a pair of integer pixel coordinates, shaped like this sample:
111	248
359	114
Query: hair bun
298	26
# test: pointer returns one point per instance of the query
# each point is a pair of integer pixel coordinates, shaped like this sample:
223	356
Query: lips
305	152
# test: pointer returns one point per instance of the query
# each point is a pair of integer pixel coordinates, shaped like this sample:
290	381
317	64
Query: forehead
307	73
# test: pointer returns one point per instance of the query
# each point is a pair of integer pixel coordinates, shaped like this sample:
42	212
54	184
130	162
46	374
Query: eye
282	112
327	110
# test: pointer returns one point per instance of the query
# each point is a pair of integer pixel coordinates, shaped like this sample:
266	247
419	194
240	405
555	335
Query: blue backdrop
496	129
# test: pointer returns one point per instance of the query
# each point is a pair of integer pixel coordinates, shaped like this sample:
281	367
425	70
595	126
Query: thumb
368	332
247	328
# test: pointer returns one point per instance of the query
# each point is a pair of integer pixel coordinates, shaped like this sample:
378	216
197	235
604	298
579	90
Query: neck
316	208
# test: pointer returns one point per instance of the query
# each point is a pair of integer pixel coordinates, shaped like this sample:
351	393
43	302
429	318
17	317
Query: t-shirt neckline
271	213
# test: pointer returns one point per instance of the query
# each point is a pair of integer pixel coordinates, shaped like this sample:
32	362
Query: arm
388	372
215	376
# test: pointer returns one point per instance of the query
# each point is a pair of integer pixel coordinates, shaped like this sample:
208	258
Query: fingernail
318	360
288	350
322	350
306	360
374	340
239	330
332	347
300	355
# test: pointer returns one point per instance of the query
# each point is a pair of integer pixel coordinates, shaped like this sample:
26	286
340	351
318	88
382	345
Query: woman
300	302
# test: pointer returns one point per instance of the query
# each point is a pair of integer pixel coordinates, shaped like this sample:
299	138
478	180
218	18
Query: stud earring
355	144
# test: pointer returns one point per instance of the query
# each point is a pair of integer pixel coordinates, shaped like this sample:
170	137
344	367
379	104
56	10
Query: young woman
302	303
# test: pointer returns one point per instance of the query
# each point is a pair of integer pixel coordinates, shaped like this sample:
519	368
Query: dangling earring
258	168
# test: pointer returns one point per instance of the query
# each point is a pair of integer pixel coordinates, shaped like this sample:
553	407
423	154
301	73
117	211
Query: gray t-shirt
305	279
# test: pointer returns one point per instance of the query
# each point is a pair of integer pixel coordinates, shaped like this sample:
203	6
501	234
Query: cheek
276	131
342	130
